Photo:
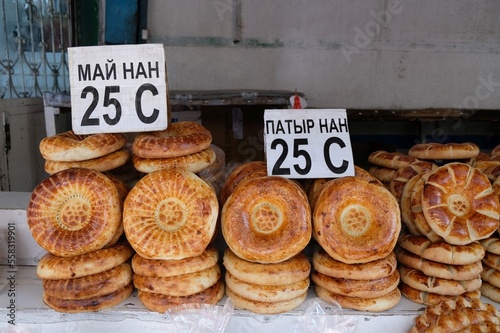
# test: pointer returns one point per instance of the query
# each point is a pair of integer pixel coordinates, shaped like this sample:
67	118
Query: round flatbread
405	206
266	293
55	267
440	270
459	204
418	280
492	276
179	285
179	139
289	271
265	307
427	298
90	286
168	268
267	220
357	288
195	162
441	251
69	147
391	160
74	211
444	151
491	260
170	214
104	163
404	174
372	270
375	304
244	171
384	175
89	304
490	291
162	303
356	221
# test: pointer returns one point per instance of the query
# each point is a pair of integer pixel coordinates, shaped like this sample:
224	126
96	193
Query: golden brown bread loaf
244	171
99	284
267	220
372	270
356	221
490	291
162	303
441	251
89	304
265	307
179	139
170	214
74	211
372	304
404	174
69	147
383	174
54	267
444	151
104	163
195	162
427	298
491	244
459	204
289	271
491	260
390	160
167	268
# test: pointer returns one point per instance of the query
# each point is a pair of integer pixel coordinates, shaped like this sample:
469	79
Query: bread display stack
384	165
356	223
76	216
447	211
183	145
101	152
169	218
266	223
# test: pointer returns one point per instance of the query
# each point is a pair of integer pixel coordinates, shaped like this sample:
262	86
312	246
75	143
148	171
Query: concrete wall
392	54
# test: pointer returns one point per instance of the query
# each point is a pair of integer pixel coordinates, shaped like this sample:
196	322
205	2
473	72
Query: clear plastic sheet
322	317
202	318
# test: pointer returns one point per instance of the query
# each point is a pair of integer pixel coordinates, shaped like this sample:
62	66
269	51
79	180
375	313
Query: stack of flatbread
169	218
384	165
266	223
356	222
75	215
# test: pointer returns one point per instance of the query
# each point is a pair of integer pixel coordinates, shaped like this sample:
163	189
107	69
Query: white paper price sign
308	143
120	88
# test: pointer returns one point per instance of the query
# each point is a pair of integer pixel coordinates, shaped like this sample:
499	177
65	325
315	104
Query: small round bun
356	221
104	163
170	214
179	139
267	220
69	147
444	151
74	211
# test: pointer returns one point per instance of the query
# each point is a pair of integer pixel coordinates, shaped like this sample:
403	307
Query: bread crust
444	151
179	139
69	147
55	267
89	304
167	268
74	211
195	162
356	221
372	270
162	303
404	174
104	163
427	298
373	304
383	174
289	271
459	204
244	171
265	307
441	251
90	286
391	160
267	220
170	214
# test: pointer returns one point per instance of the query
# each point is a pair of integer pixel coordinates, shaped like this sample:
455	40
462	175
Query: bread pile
169	218
458	315
266	223
183	145
447	207
356	223
101	152
384	165
76	216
